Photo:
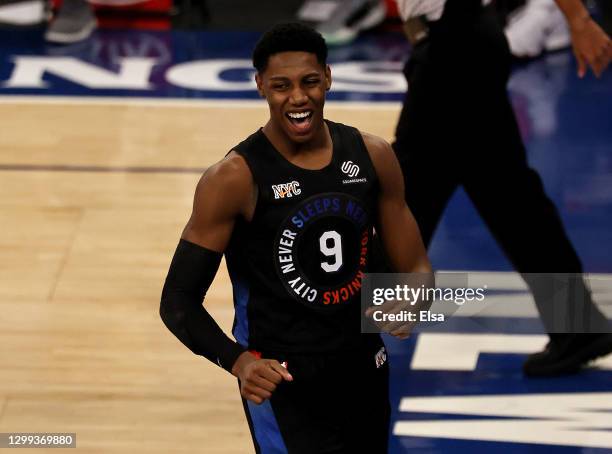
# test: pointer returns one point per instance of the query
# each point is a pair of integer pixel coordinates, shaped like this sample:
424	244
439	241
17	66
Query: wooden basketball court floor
93	198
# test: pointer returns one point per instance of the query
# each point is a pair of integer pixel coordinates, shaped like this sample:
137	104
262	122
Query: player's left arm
395	224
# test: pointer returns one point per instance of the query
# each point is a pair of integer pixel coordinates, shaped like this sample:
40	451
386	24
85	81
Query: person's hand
400	329
397	307
398	317
258	377
592	46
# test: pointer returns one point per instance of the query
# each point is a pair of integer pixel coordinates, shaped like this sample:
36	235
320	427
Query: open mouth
300	120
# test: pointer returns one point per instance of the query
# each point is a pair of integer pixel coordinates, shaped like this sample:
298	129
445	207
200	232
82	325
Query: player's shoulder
383	158
229	179
231	171
378	148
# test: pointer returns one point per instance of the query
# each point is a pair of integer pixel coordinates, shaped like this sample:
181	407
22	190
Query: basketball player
292	207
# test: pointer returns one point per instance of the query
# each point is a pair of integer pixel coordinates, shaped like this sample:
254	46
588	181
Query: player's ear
328	77
259	82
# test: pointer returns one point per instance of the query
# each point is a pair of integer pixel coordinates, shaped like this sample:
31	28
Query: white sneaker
29	12
536	27
558	35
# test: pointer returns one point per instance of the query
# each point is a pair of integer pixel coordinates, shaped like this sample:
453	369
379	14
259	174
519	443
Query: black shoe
566	354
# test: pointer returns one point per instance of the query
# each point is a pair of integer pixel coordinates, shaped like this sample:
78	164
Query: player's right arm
225	192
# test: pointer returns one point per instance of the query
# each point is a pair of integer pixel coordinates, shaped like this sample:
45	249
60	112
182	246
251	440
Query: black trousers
337	403
605	10
457	128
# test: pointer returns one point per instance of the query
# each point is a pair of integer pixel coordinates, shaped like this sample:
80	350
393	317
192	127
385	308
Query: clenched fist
258	377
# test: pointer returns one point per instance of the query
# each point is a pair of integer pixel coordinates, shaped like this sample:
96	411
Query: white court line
461	351
511	280
178	102
559	419
514	300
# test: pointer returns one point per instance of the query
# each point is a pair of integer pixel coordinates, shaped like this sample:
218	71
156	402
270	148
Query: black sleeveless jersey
297	266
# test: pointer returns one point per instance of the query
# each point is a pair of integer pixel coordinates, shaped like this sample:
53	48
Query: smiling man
293	209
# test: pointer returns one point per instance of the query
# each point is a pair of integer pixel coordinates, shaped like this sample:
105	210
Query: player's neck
320	142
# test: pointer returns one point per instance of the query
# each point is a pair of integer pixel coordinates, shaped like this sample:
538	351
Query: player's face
294	84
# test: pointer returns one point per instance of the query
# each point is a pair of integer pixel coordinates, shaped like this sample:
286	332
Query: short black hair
289	37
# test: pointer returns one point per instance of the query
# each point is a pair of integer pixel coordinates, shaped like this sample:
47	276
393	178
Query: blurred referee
457	128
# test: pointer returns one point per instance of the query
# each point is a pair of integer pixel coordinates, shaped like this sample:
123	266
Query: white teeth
295	116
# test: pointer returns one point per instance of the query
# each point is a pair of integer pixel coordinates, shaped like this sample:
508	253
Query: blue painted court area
490	405
476	406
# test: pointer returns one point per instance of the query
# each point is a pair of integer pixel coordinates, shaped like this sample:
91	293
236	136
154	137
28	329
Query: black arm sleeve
192	270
